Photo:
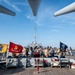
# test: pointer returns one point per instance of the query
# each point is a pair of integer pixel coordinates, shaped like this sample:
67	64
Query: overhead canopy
6	11
34	4
68	9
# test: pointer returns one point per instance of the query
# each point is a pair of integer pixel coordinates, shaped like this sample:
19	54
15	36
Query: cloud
17	3
54	30
45	18
16	8
38	24
29	17
58	26
12	5
73	23
43	15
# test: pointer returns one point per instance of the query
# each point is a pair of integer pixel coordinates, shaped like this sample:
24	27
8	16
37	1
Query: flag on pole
15	48
63	47
3	48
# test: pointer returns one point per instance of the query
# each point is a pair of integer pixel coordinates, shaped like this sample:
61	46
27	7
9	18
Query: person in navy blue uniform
52	52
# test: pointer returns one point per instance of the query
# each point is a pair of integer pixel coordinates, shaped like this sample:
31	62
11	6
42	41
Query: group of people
43	52
40	52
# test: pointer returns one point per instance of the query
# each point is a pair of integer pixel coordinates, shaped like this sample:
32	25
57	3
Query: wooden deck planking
72	71
32	71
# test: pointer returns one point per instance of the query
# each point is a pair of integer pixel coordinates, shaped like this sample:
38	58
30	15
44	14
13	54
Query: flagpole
7	52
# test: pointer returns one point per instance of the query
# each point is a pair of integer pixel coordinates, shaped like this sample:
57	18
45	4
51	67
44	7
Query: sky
50	30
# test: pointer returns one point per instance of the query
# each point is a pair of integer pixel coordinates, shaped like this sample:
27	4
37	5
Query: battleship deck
32	71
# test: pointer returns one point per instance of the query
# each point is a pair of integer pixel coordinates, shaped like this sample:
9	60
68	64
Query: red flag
15	48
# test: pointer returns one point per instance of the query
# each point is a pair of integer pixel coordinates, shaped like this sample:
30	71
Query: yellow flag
3	48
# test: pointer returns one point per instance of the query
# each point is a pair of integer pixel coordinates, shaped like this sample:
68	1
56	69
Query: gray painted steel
34	4
22	62
40	61
11	62
6	11
30	62
68	9
16	62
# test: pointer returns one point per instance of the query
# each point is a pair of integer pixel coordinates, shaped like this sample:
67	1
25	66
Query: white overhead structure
68	9
34	4
6	11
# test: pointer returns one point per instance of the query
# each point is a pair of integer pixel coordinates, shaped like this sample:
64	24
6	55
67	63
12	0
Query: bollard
37	67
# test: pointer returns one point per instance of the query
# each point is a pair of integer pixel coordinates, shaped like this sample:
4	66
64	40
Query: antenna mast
35	35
